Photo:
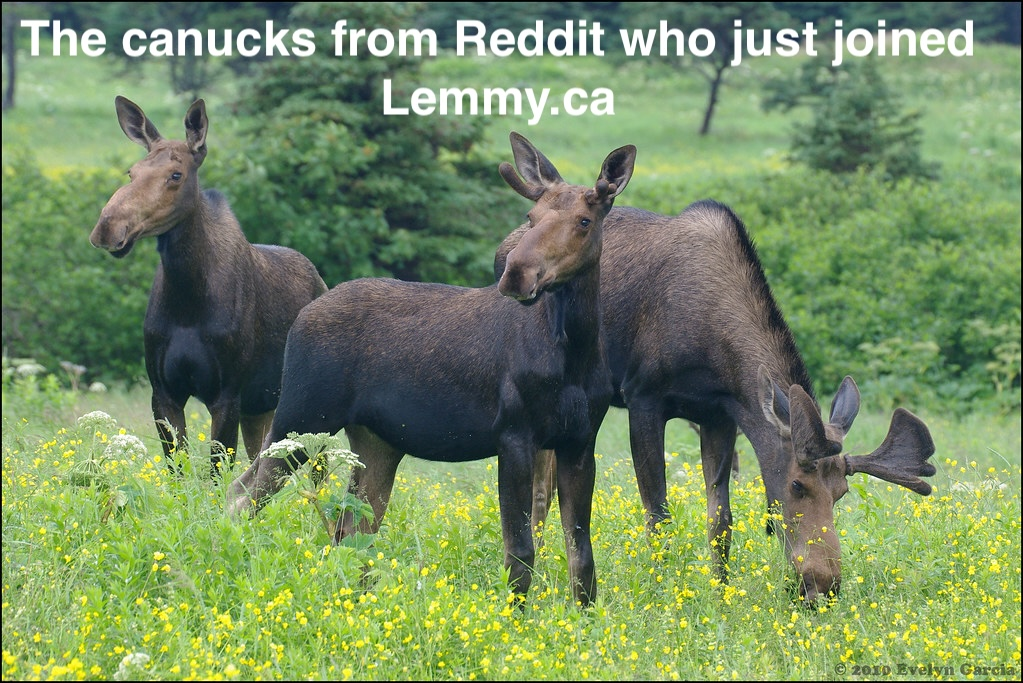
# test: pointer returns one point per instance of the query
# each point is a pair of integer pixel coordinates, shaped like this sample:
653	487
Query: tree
717	17
857	121
323	170
190	71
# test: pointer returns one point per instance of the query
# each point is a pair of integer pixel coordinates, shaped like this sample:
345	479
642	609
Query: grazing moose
455	374
693	331
220	308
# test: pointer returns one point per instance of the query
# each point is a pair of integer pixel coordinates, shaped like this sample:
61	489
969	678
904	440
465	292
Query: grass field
112	568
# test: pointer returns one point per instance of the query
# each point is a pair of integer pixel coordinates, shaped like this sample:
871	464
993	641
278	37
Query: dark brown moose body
693	332
220	308
452	374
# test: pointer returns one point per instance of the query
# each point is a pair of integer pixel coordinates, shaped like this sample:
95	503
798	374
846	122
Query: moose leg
264	477
169	415
254	431
372	483
226	416
646	436
514	487
717	450
544	481
576	474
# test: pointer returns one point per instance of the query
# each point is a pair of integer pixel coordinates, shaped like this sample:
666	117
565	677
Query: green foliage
192	71
857	121
63	299
362	194
29	389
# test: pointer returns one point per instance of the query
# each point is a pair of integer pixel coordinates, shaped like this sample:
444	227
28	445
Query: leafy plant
63	299
858	122
328	454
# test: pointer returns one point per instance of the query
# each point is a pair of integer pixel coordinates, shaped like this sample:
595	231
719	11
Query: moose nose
520	283
816	586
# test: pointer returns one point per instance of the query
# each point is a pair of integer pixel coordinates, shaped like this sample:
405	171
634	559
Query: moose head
164	187
812	473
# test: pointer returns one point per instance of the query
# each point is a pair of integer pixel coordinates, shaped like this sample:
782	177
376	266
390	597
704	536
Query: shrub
857	121
63	299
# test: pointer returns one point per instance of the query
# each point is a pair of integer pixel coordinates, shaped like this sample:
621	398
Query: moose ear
773	401
845	405
135	124
617	169
810	440
902	457
196	125
538	173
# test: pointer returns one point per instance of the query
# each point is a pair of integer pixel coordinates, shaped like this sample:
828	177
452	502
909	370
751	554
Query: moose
455	374
220	308
693	331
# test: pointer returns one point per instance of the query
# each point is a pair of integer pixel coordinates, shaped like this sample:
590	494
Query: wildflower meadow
115	568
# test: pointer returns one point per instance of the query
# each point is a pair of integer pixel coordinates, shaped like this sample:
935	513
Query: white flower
282	448
126	445
97	420
132	661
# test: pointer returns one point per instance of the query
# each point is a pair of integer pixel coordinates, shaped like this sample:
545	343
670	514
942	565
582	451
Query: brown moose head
164	186
812	473
564	226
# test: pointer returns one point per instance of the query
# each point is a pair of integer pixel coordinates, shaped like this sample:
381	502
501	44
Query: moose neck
573	314
188	253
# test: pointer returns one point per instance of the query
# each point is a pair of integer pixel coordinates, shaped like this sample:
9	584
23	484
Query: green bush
63	299
857	122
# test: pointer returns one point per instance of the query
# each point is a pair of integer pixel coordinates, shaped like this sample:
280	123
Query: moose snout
820	577
111	235
816	586
520	283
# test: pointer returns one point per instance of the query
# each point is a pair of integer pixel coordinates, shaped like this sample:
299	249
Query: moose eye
798	489
584	223
176	176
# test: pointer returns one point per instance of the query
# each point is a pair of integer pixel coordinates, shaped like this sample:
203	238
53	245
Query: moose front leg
169	416
576	475
717	450
515	491
225	414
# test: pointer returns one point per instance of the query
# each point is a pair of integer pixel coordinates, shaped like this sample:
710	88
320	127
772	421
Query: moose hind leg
254	431
544	482
371	483
226	418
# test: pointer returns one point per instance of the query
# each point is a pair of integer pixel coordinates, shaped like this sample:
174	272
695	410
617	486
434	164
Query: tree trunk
715	85
10	57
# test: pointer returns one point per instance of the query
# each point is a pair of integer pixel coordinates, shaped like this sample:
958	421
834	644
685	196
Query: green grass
106	556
